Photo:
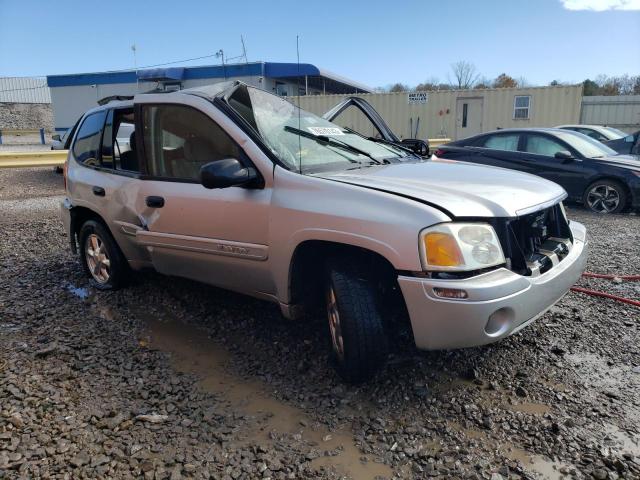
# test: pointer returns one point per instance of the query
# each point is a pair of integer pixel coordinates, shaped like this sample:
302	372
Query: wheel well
307	272
79	215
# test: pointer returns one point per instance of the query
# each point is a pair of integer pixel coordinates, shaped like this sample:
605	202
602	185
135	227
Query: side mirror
564	155
418	146
226	173
55	137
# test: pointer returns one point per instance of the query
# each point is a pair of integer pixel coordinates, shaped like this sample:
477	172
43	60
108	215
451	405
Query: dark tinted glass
87	143
107	142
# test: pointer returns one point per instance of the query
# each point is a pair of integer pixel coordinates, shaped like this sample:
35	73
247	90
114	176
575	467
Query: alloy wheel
97	258
603	199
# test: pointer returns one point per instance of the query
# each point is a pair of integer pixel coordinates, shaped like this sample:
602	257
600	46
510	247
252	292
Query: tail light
440	152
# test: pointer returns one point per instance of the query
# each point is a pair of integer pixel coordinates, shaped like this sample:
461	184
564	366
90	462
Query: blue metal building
72	95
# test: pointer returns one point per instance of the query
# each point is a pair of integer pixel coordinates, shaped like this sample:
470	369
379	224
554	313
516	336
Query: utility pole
220	54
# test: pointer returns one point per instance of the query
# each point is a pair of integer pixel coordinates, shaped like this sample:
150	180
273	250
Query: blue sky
374	42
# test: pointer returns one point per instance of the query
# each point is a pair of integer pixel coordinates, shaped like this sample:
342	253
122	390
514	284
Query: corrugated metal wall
621	111
441	117
24	90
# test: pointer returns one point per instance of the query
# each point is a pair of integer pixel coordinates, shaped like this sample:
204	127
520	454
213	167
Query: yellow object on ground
51	158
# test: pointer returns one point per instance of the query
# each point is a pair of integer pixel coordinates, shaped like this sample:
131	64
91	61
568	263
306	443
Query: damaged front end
536	242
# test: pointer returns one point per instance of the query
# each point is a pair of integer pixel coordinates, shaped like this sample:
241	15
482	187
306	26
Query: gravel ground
170	379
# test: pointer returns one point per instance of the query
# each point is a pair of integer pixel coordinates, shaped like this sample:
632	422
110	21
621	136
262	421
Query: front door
540	149
216	236
468	117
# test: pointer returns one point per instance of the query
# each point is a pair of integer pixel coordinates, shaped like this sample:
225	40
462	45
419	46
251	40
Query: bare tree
465	74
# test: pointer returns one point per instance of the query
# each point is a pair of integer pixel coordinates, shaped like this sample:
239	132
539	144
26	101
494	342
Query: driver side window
541	145
178	140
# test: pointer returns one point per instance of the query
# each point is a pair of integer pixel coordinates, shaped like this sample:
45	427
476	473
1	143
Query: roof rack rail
114	98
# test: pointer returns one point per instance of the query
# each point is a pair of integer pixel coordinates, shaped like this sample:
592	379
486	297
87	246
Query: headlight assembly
460	247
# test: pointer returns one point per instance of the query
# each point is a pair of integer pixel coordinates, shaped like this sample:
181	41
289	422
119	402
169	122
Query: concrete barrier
50	158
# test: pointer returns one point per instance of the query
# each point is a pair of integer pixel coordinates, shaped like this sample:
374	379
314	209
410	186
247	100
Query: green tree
589	88
399	87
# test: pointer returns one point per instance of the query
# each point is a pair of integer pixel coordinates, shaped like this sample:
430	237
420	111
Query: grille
529	242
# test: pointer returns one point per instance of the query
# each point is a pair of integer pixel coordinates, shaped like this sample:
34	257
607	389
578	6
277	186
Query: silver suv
238	188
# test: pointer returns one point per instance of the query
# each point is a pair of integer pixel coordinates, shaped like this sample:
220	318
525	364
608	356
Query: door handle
155	202
98	191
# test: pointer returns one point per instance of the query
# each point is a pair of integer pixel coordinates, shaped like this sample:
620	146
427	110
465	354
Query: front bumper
440	323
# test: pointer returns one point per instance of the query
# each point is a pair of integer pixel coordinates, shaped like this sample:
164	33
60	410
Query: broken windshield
306	142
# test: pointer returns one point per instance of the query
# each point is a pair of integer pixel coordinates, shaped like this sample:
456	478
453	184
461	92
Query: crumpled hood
461	189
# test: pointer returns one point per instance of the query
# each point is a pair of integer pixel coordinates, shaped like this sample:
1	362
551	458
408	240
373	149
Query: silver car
238	188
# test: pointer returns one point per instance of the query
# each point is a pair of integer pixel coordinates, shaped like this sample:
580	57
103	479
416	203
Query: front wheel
358	341
605	196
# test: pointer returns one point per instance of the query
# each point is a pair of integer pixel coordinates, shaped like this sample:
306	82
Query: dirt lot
172	379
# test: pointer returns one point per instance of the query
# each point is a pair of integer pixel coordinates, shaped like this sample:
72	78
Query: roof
266	69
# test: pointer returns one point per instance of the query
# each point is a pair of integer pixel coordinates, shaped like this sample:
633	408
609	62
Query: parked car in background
588	170
630	144
597	132
236	187
58	141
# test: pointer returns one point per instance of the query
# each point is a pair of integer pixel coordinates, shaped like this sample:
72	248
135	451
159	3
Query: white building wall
69	103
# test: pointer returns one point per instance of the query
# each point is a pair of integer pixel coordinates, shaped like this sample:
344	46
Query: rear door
502	150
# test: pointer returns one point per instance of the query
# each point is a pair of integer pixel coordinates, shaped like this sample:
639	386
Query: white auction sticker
325	131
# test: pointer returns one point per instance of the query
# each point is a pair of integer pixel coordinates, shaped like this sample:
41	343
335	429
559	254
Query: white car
597	132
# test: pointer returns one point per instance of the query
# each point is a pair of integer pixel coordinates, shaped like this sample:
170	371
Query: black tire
601	196
360	324
118	268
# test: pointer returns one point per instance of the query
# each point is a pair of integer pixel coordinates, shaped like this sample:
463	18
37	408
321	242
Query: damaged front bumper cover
497	304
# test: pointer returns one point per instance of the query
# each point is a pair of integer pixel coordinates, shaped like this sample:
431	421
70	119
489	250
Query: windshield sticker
325	131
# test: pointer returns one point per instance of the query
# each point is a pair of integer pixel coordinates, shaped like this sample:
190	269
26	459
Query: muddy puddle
192	352
543	467
531	408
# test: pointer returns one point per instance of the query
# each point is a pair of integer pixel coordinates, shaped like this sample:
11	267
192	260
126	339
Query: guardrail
436	142
51	158
19	132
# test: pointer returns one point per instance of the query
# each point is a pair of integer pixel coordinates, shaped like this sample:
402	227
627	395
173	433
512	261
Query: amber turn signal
442	250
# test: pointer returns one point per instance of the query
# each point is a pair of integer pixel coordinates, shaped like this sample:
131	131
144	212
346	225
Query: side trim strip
211	246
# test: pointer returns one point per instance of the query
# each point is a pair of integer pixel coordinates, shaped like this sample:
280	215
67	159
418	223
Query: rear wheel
605	196
358	341
101	258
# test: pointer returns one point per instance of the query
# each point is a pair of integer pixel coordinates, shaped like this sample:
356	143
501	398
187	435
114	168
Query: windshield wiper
381	140
323	139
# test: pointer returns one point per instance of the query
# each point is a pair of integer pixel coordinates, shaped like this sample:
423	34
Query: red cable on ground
629	278
597	293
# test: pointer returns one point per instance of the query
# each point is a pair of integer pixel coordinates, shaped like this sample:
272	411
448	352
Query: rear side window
178	140
86	148
543	146
502	142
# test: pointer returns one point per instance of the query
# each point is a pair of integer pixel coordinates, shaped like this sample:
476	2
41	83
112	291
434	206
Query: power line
173	62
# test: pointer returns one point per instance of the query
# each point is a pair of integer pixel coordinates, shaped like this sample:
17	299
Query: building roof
265	69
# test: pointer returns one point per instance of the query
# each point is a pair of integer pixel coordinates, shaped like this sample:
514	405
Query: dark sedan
629	144
589	171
